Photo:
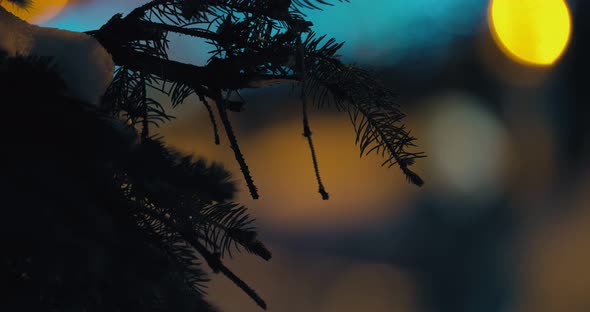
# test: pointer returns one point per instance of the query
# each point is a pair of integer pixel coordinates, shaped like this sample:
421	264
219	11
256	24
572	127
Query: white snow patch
84	64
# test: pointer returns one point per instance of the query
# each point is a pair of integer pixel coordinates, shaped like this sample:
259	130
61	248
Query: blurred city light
503	68
534	32
467	147
39	12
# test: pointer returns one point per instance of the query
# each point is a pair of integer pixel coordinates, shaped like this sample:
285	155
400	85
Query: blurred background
494	91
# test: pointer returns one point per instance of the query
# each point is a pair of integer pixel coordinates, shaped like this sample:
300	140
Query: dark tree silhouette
254	44
99	215
94	221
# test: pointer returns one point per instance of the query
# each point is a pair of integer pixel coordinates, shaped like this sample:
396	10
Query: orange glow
41	10
360	189
533	32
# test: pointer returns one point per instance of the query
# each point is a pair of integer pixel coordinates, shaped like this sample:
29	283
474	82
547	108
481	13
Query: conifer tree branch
258	49
307	134
220	103
376	117
145	126
222	74
193	279
212	119
242	285
306	128
224	224
193	32
212	260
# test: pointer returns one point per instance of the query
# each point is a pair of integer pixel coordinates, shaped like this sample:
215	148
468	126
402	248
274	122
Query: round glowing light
469	146
534	32
40	11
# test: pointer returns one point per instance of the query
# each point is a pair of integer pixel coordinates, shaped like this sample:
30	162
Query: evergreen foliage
253	44
99	217
95	220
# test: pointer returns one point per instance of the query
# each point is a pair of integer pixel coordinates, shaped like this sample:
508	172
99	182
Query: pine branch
212	260
373	111
173	185
225	224
177	251
242	285
255	50
221	109
306	128
128	95
171	180
212	119
145	127
307	134
223	74
193	32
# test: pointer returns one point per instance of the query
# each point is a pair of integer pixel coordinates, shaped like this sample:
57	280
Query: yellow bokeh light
534	32
40	11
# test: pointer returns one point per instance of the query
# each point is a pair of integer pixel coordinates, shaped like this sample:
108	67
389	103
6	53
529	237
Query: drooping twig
243	286
220	103
145	126
306	128
212	118
212	259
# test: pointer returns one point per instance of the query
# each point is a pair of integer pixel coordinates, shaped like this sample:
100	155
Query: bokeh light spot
39	12
468	146
534	32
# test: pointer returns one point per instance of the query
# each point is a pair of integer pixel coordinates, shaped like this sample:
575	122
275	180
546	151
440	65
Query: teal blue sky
376	32
387	31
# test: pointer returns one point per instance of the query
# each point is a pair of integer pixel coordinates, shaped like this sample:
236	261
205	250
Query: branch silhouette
110	218
255	44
